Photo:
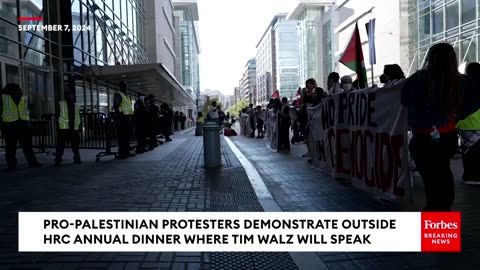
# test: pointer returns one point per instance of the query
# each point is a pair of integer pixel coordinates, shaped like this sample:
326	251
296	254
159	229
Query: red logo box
441	232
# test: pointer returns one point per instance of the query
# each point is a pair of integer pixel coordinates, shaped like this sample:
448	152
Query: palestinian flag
276	95
353	58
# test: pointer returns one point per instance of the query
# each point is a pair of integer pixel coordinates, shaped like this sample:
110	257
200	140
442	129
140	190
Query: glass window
129	15
80	93
78	55
116	5
437	21
103	99
124	11
88	96
452	15
85	21
9	47
469	48
8	30
468	11
111	94
99	40
34	57
424	27
12	74
8	10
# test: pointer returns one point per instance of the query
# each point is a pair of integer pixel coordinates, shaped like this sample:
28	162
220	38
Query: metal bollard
211	145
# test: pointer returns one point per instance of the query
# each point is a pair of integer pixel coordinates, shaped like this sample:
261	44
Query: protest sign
362	136
272	130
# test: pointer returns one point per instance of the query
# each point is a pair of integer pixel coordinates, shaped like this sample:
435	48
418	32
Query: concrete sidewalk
296	186
170	178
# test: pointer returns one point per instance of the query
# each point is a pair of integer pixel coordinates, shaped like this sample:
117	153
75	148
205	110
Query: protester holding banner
346	83
311	96
470	128
434	97
260	119
392	75
355	85
333	85
251	115
294	119
284	130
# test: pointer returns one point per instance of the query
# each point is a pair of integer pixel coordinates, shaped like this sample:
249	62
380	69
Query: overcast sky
229	31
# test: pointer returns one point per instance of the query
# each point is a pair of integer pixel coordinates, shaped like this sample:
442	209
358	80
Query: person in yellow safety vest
470	129
15	125
68	128
124	110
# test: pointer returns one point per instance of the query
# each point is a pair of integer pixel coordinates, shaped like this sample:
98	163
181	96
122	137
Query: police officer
68	128
15	124
123	108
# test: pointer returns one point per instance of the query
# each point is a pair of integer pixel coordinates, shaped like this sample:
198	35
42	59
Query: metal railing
97	131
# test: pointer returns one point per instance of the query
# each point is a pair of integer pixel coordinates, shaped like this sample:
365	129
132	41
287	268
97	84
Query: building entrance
36	83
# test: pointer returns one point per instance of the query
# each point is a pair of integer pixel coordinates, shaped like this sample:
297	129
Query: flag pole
373	78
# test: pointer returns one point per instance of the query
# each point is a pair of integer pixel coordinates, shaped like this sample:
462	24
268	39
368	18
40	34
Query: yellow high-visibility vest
472	122
126	105
13	112
63	120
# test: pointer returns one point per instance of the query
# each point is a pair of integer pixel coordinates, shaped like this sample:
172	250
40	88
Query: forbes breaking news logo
441	232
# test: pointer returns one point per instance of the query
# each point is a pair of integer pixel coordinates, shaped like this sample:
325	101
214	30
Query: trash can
211	145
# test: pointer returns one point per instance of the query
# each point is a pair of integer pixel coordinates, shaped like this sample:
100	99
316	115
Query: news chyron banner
362	136
239	232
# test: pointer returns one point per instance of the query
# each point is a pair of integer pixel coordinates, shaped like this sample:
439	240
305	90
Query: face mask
347	87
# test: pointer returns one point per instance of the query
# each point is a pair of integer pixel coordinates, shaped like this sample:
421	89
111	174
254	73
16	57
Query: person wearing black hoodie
436	98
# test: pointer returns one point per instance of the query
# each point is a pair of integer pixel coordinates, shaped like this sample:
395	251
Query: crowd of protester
442	105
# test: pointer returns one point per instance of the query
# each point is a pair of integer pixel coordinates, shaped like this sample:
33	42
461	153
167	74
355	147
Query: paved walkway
171	178
296	186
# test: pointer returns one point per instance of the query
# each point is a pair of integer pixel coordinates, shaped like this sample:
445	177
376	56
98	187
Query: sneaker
307	155
471	182
121	157
168	140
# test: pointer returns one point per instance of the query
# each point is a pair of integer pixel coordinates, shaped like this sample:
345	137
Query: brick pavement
171	178
296	186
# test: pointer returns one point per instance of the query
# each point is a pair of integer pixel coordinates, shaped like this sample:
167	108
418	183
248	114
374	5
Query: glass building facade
432	21
327	49
308	47
103	32
249	85
189	52
286	56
